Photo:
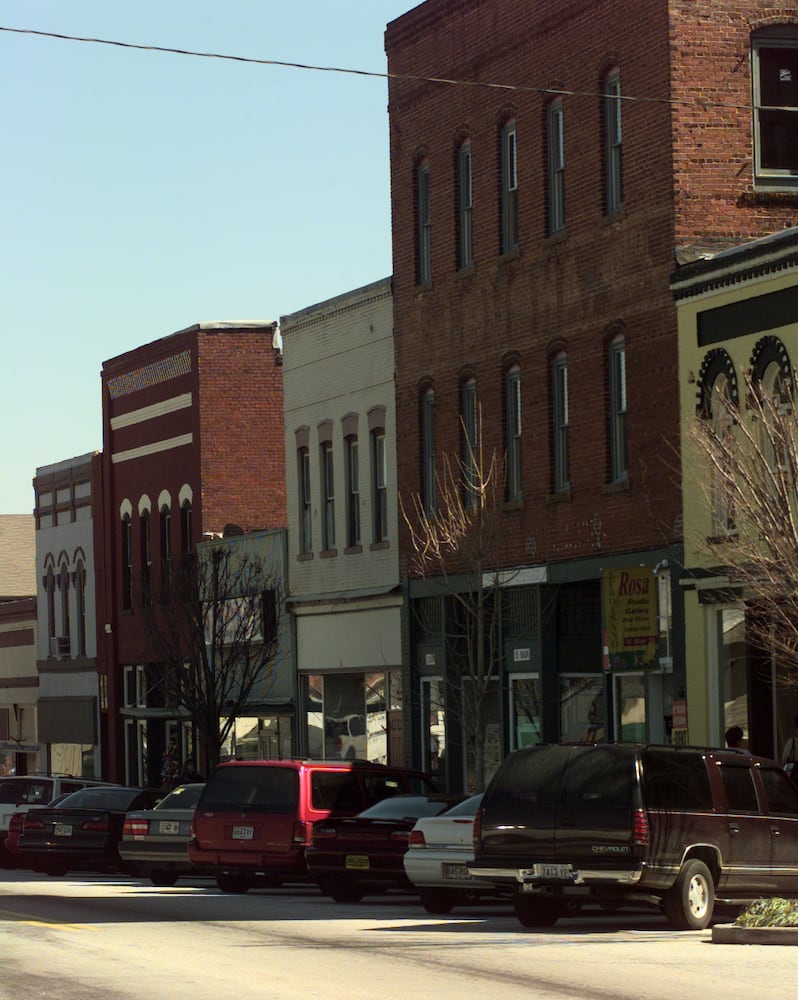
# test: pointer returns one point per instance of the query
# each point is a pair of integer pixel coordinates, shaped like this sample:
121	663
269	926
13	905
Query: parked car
440	849
155	841
18	793
350	856
15	826
253	820
616	823
83	830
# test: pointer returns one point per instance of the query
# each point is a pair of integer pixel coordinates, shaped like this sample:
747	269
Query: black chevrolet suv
682	827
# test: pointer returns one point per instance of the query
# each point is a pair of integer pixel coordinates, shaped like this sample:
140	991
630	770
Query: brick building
536	224
192	448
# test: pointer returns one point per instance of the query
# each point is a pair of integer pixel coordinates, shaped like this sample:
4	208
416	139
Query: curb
731	934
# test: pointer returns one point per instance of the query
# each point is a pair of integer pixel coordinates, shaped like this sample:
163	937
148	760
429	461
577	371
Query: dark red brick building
192	445
576	154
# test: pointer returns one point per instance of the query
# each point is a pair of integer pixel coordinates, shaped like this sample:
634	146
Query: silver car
154	841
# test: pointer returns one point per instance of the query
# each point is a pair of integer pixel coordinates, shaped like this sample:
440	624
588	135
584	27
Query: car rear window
32	792
256	789
599	777
529	777
676	780
101	798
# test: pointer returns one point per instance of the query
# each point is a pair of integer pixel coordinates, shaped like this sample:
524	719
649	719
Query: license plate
62	830
243	832
169	826
455	871
553	871
358	862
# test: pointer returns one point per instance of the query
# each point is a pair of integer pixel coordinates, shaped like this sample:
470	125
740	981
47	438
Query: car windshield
100	798
182	797
411	806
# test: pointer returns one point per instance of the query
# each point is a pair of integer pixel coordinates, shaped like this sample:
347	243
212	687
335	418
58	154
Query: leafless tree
458	545
214	637
750	448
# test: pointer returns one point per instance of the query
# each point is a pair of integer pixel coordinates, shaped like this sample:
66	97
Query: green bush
769	913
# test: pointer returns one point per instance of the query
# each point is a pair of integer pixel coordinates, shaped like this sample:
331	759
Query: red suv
253	820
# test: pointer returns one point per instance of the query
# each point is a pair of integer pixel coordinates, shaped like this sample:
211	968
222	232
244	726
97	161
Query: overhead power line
699	102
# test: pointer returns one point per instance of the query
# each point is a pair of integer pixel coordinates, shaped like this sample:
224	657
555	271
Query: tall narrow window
465	256
127	564
559	372
423	224
327	496
305	512
146	559
80	594
470	433
429	493
380	484
613	148
352	492
185	527
509	176
775	73
63	583
722	426
617	379
556	167
50	588
512	432
166	555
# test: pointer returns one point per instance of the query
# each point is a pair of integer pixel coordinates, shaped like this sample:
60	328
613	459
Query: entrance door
629	708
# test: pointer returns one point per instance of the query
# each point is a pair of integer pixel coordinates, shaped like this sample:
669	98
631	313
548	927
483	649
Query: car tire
343	890
438	901
163	879
689	904
55	869
233	883
532	912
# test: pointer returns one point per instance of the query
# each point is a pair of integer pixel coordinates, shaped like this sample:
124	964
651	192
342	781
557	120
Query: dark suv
615	823
253	820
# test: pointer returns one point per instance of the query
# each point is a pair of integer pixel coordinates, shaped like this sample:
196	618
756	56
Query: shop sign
630	614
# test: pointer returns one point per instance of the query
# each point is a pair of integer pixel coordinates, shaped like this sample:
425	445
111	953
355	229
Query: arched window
166	554
469	432
423	204
146	558
718	406
555	161
465	249
512	433
613	143
80	595
559	407
63	585
508	166
429	492
616	371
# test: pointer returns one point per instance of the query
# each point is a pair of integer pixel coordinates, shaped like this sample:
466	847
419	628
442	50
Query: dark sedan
350	857
155	841
83	830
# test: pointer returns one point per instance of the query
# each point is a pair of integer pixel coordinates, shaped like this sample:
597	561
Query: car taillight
96	824
300	835
399	835
33	824
136	828
477	828
324	832
639	828
16	822
417	838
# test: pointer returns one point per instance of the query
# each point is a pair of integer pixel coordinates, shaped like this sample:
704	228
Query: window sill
379	546
425	286
554	239
328	554
352	550
726	539
561	496
465	272
611	218
304	557
619	486
506	256
517	503
772	193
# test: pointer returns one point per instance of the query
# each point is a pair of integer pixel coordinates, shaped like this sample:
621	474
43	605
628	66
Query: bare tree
750	447
458	545
215	637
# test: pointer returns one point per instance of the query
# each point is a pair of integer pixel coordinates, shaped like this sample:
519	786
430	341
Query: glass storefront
349	716
582	708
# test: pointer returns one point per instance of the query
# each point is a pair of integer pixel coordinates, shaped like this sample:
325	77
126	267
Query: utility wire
698	102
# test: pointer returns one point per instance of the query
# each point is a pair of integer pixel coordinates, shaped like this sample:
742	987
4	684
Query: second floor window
327	497
775	78
127	564
613	147
465	256
559	371
423	225
617	386
556	167
352	492
305	511
509	179
512	433
146	559
166	555
429	491
379	465
470	433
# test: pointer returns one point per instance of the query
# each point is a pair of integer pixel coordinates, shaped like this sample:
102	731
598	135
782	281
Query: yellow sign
630	615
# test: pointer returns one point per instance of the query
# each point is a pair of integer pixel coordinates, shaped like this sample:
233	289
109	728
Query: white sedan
436	860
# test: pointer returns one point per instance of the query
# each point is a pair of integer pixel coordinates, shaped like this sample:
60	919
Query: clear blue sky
144	192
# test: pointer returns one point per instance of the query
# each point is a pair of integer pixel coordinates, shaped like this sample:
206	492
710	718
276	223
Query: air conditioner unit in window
59	645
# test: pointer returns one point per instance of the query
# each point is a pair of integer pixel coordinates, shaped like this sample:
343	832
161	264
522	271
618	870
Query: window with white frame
380	484
352	468
470	441
613	144
555	149
774	57
617	414
509	188
423	225
465	256
559	379
305	511
429	490
512	432
327	496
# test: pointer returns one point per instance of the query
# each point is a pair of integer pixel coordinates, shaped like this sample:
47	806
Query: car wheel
535	912
689	904
232	883
163	878
438	901
343	890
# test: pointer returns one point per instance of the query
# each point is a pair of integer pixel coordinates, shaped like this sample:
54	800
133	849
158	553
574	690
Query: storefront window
630	708
733	674
481	713
349	715
582	708
525	711
433	718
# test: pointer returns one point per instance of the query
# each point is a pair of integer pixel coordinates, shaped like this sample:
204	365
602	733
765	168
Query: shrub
769	913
